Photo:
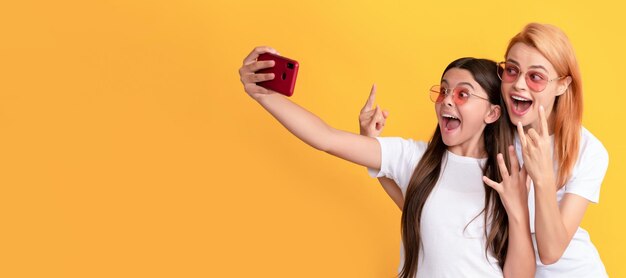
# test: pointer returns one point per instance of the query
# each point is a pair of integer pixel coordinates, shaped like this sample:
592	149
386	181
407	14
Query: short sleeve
589	171
398	159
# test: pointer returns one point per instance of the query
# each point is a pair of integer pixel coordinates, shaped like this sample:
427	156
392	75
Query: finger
385	114
380	125
259	65
544	121
529	147
496	186
258	77
379	119
524	174
378	116
522	135
370	100
503	171
513	160
534	136
256	52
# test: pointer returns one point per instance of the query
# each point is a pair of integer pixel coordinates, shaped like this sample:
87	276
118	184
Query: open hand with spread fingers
513	189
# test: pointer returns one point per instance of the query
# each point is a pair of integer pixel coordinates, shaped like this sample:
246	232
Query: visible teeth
520	98
449	116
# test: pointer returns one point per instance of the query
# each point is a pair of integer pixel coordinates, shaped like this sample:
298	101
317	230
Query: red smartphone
285	71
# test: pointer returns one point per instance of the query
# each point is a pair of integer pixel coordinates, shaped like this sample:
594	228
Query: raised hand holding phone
285	72
248	75
300	122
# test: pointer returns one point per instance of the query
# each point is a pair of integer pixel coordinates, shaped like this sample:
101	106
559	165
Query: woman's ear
493	115
563	85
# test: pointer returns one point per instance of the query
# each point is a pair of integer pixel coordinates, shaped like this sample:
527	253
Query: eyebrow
462	83
531	67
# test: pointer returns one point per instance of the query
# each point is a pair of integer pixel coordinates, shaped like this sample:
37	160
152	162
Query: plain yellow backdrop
129	149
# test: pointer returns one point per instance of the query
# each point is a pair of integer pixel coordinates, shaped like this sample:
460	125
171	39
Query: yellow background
129	149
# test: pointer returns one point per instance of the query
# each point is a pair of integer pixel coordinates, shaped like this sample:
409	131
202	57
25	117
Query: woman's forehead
526	56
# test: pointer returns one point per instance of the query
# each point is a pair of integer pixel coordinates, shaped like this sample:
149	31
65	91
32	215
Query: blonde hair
554	45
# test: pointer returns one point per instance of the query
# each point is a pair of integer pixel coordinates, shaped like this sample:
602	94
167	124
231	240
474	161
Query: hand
247	71
537	152
372	120
513	189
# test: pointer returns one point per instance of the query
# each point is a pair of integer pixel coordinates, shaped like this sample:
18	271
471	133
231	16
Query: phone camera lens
284	75
290	65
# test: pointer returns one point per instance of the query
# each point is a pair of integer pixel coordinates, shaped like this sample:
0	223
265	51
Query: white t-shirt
453	240
580	259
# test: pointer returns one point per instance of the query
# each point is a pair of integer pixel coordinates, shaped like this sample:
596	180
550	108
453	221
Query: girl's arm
513	191
393	190
520	259
303	124
372	121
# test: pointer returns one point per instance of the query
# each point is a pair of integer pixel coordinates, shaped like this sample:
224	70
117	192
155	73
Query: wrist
256	97
519	218
546	181
260	97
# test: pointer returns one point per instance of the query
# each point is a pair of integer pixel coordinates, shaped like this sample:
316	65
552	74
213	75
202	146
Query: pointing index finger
370	100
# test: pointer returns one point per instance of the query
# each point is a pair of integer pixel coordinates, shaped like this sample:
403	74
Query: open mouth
521	105
450	122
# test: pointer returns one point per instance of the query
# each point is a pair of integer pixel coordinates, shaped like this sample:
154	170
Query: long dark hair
497	137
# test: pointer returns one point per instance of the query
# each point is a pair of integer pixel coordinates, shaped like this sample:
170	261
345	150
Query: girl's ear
493	115
563	85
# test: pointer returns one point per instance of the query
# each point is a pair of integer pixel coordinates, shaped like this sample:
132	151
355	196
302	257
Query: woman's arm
372	121
303	124
555	225
513	191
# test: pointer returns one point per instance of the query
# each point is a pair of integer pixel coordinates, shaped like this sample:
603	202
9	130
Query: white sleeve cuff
374	173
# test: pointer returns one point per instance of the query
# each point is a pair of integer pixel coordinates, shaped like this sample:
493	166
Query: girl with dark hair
453	225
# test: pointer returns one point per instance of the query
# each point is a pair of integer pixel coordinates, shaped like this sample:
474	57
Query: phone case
285	73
